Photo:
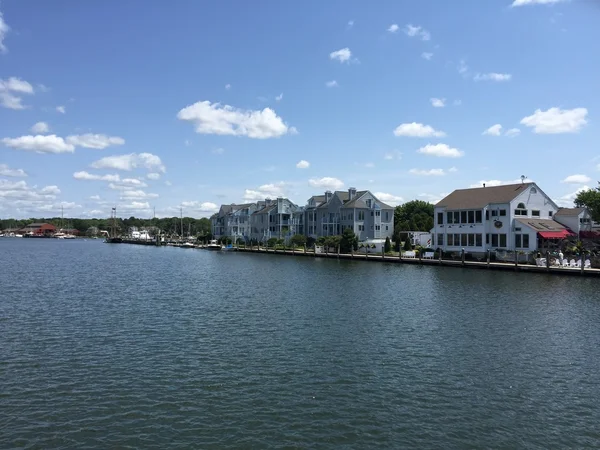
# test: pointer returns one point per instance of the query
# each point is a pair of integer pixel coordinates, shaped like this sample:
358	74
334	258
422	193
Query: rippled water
116	346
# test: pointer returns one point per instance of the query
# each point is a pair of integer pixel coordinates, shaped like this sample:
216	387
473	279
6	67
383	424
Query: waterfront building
330	214
517	217
233	221
38	229
280	218
578	220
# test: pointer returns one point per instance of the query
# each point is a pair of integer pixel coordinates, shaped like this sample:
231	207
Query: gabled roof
356	202
569	211
342	195
482	196
542	224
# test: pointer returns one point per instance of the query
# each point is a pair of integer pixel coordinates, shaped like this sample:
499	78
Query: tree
272	242
590	199
348	241
298	240
407	245
332	241
388	245
415	215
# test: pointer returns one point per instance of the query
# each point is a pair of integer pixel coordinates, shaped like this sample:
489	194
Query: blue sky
157	105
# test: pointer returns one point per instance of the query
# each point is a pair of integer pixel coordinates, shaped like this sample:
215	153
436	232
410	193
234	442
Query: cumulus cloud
512	132
427	56
6	171
136	194
577	179
10	91
130	162
134	206
493	183
441	150
494	130
427	173
415	129
83	175
279	97
302	164
61	109
556	120
40	144
127	184
96	141
4	29
206	207
493	76
50	190
516	3
40	128
328	183
393	28
331	84
568	199
212	118
390	199
438	102
271	190
153	176
417	31
343	55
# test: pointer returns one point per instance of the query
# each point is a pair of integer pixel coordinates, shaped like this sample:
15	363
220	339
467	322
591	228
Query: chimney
328	195
268	201
351	193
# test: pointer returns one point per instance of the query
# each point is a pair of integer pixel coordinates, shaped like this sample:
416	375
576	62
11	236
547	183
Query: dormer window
369	203
533	190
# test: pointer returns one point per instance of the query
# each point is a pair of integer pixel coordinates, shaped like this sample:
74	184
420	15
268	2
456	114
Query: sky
150	107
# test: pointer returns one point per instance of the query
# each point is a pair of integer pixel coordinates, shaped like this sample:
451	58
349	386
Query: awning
555	234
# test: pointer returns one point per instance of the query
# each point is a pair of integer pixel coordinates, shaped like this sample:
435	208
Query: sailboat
112	237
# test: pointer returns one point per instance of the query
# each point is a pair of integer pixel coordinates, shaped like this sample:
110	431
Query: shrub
388	245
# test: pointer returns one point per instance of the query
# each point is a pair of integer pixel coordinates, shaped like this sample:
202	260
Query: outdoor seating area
566	263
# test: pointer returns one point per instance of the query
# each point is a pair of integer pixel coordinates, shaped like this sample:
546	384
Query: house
511	217
233	220
280	218
38	229
578	220
330	214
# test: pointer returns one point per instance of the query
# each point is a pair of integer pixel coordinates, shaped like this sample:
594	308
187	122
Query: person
560	257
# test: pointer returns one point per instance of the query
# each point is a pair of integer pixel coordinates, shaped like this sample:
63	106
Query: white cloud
134	206
279	97
394	154
493	76
512	132
568	199
271	190
428	173
96	141
50	190
493	183
343	55
168	183
83	175
438	102
534	2
10	90
432	198
227	86
127	184
453	169
328	183
556	120
95	197
207	207
415	129
417	31
212	118
303	164
390	199
61	109
427	56
153	176
462	68
331	84
40	128
393	28
218	151
494	130
577	179
39	144
441	150
130	162
4	29
136	194
6	171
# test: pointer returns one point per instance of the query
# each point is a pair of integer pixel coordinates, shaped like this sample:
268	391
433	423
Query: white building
512	217
578	220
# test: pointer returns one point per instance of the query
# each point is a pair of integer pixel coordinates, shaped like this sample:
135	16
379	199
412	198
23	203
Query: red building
38	229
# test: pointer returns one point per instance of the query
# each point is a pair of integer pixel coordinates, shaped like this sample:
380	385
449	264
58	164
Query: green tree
348	241
388	245
407	245
298	240
590	199
272	242
415	215
332	241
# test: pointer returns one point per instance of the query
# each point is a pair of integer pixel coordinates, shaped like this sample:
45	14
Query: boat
188	245
213	245
228	248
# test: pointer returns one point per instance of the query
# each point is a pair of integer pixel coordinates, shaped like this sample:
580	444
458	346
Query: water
116	346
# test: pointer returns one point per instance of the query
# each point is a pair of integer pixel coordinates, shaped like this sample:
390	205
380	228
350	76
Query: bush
407	245
272	242
397	245
298	240
388	245
348	241
310	241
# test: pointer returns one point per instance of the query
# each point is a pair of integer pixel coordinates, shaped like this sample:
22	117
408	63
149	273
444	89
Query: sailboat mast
181	213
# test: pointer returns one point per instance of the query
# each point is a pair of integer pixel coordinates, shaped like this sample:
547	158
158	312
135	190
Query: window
371	213
361	228
487	239
463	217
449	240
503	240
521	206
478	240
463	240
369	203
494	240
549	213
449	218
456	217
502	212
518	241
471	240
535	213
361	215
494	213
387	216
377	213
525	241
478	217
386	228
351	216
471	216
440	217
521	241
377	228
487	215
520	212
324	227
440	240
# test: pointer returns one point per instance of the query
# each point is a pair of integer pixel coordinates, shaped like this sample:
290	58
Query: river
116	346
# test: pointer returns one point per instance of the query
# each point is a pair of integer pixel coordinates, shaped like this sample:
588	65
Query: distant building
38	229
578	220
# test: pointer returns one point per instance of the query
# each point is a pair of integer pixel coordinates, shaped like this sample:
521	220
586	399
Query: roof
569	211
542	224
356	202
482	196
36	225
342	195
